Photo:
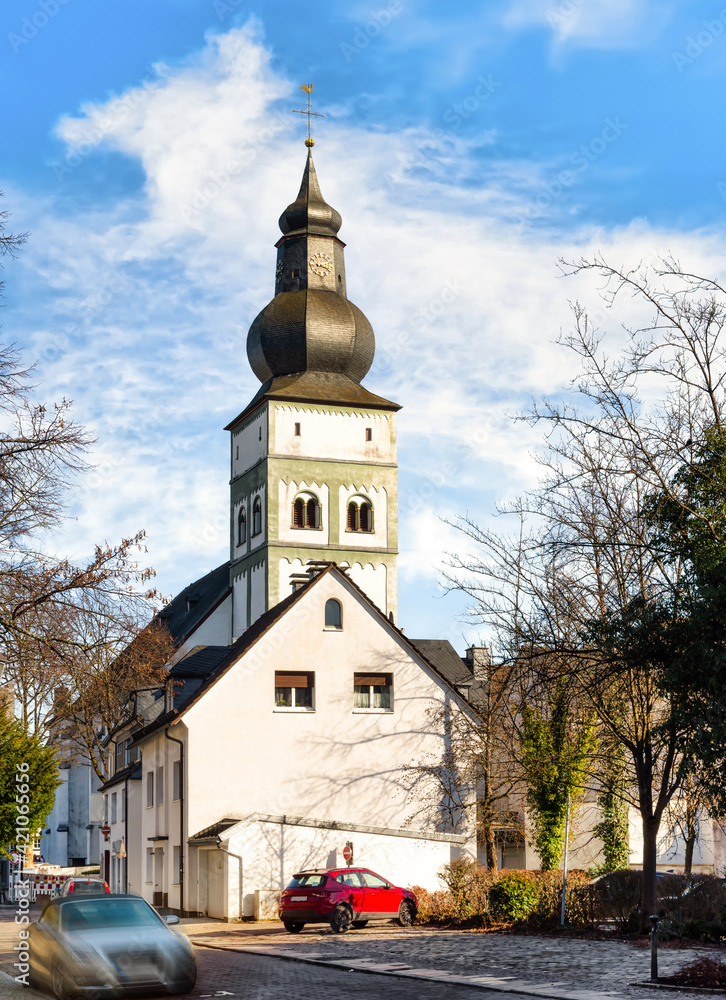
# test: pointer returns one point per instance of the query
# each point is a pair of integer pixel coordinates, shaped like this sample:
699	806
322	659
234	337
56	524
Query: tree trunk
491	846
650	851
690	841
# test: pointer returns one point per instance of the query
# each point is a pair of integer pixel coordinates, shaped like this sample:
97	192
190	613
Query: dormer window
359	515
241	527
306	511
257	517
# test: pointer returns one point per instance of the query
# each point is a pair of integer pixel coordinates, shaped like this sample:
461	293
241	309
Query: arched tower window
333	614
241	527
306	511
359	516
257	516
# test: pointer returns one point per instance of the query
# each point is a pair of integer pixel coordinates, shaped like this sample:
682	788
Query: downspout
240	862
182	845
126	835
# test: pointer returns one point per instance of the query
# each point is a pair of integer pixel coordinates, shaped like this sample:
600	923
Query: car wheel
341	919
58	982
406	914
359	923
293	926
188	985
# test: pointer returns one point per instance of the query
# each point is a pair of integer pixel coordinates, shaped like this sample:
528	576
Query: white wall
251	444
332	435
333	763
273	852
372	580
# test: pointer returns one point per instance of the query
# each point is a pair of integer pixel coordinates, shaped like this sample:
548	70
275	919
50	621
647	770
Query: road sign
14	857
105	830
348	853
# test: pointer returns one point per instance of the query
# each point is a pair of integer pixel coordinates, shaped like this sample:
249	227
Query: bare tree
585	576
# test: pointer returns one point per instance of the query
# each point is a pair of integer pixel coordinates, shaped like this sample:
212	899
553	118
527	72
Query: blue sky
467	147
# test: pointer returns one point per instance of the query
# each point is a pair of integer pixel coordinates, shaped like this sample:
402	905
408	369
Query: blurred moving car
109	945
84	885
343	897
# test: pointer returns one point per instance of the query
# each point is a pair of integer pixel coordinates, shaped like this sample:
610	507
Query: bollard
654	949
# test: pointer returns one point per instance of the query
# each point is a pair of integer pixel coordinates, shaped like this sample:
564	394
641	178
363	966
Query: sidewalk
576	969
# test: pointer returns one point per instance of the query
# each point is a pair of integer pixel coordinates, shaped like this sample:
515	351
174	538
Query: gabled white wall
332	763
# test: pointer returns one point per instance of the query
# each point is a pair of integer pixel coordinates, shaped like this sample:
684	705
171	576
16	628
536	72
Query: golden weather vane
308	89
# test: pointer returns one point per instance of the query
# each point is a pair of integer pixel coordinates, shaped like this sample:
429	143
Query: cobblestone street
254	961
543	965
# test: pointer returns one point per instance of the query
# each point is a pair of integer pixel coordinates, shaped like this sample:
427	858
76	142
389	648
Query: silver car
108	946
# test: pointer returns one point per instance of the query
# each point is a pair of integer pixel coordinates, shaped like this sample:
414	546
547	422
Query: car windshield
88	887
90	914
306	881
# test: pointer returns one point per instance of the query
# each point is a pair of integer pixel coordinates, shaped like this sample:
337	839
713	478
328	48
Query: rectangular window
105	809
176	780
149	864
114	808
149	788
297	430
159	786
123	807
369	433
175	856
373	691
295	691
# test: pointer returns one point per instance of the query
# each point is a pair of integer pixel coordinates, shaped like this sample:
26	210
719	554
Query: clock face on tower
321	264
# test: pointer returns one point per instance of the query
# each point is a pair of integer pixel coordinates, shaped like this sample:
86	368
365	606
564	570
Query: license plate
298	899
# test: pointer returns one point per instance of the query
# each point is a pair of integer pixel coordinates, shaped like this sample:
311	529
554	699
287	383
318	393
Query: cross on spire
308	88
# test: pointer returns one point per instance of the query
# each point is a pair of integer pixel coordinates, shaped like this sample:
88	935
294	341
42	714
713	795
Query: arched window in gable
359	515
257	516
333	614
241	527
306	511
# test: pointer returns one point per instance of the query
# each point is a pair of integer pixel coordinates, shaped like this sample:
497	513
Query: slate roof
199	662
316	387
442	655
193	604
214	831
132	772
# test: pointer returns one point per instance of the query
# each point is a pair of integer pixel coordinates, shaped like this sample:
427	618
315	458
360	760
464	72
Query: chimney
477	659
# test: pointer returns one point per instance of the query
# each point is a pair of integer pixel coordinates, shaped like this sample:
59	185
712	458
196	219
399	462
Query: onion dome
310	326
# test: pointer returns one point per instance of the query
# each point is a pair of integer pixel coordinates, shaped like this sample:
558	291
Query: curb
500	985
713	990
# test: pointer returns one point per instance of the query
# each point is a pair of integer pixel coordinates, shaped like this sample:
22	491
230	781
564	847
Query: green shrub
513	897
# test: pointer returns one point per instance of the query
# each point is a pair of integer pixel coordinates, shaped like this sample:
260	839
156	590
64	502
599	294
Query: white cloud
599	24
141	311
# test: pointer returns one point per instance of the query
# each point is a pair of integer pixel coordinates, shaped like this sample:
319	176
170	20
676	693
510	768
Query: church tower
313	455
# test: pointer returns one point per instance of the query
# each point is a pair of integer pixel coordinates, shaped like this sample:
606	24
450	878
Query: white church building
295	705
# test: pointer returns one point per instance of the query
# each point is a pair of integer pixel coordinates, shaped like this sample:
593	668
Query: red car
343	897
